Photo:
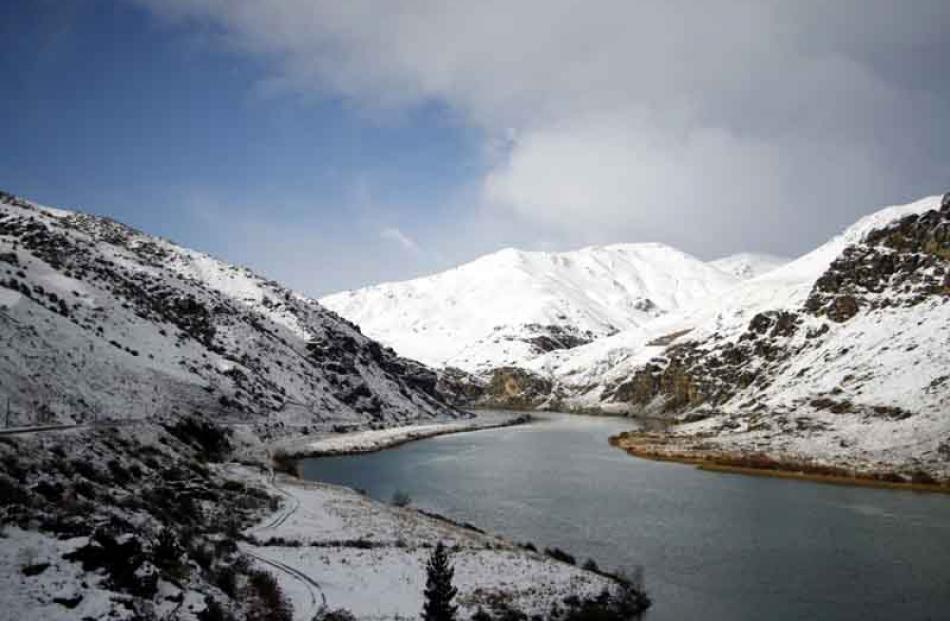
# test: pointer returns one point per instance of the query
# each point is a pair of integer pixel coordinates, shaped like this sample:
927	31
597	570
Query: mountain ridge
496	309
116	323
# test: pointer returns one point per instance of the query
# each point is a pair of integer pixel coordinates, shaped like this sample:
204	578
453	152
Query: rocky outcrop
697	373
553	337
511	387
902	264
459	387
117	324
899	265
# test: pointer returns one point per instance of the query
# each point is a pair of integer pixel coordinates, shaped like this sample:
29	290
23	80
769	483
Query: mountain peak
745	265
513	304
104	321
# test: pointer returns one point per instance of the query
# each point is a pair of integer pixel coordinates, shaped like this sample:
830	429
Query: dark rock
516	388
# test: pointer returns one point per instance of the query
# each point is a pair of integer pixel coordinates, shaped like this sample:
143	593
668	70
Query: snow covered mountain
511	306
843	354
98	320
745	265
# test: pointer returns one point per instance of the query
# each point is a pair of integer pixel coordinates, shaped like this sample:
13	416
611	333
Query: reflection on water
713	546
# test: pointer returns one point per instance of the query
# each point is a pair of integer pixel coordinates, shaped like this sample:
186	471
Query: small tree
439	591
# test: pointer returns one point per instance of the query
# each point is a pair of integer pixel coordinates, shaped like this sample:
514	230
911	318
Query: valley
159	402
710	545
838	359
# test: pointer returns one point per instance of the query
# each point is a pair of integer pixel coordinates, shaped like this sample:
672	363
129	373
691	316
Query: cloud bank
714	126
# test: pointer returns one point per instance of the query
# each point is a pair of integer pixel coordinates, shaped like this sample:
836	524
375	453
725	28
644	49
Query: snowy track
312	586
287	510
330	547
47	428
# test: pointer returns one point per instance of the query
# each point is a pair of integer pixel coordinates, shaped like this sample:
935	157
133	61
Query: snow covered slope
841	355
509	307
98	320
748	265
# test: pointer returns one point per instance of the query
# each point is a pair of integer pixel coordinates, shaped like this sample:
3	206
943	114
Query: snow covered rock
512	306
854	369
100	321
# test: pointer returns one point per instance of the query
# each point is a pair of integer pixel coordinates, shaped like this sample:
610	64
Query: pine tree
439	590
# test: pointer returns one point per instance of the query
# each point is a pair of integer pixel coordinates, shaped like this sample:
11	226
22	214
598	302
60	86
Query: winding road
287	509
313	587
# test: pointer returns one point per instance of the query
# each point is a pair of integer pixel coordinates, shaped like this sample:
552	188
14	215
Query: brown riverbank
663	447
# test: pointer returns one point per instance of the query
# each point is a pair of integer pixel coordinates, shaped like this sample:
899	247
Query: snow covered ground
330	546
101	321
492	311
745	265
367	441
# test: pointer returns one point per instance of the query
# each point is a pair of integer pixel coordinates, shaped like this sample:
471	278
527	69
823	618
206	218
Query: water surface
713	546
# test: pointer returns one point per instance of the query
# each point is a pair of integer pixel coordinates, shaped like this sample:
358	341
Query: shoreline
374	440
329	543
759	465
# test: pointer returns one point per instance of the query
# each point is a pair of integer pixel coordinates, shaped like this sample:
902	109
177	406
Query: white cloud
406	242
767	123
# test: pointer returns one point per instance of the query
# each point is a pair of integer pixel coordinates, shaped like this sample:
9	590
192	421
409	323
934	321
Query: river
712	546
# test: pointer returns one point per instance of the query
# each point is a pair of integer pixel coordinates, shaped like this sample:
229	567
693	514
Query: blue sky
110	111
334	144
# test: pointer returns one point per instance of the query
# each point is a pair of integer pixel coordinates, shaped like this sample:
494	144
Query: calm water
713	546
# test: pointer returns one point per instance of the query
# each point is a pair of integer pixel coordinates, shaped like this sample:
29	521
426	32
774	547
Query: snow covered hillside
511	306
748	265
841	355
99	321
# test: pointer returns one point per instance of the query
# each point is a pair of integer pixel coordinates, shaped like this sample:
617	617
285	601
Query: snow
376	439
32	596
745	265
325	521
476	316
99	335
894	357
585	369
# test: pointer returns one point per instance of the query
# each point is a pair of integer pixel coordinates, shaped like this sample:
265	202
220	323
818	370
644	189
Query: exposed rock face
100	320
459	387
516	388
554	337
692	373
900	265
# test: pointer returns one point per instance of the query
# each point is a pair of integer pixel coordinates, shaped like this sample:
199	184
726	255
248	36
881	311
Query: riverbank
670	448
372	440
329	547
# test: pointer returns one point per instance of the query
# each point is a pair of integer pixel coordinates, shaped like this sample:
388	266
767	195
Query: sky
334	144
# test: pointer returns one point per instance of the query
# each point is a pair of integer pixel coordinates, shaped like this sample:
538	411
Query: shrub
213	611
210	440
167	553
225	578
401	499
121	561
340	614
34	569
11	492
560	555
591	565
284	462
922	477
267	601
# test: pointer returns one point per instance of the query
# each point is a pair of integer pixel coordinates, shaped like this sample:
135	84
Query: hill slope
748	265
511	306
98	320
841	356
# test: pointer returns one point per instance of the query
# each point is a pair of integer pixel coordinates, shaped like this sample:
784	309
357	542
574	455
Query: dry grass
659	447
